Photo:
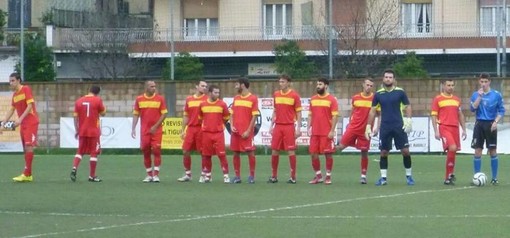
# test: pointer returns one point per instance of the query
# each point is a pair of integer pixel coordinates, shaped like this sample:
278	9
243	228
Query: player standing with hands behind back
489	109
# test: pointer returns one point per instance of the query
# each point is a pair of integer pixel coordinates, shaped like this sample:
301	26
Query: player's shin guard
186	162
450	163
93	165
224	163
275	159
206	164
494	166
316	164
76	161
292	162
383	165
157	160
252	162
407	164
364	165
236	161
477	164
147	162
329	163
29	157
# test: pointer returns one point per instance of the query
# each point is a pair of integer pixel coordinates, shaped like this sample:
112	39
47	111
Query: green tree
3	21
38	59
291	60
410	67
187	67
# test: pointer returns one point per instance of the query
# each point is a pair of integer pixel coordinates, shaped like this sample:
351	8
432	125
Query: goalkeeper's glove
368	132
408	125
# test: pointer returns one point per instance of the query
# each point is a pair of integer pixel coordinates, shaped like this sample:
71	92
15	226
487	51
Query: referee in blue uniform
488	106
393	102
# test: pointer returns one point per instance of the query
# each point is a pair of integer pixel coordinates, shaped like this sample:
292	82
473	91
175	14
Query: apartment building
237	37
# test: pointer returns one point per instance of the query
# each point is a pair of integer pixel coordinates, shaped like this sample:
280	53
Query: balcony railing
69	38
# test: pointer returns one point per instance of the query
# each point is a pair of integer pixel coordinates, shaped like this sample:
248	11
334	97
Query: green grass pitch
123	206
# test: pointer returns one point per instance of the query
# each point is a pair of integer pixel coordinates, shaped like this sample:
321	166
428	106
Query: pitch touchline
242	213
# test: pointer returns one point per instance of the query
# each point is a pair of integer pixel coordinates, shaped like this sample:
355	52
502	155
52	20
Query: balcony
436	35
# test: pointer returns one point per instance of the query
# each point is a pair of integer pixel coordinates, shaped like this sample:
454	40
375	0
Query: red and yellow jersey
286	105
322	110
20	101
243	109
361	106
149	109
87	110
446	108
191	109
213	115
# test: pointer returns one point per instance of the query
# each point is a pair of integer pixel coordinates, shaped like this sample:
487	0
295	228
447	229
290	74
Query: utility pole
330	38
503	39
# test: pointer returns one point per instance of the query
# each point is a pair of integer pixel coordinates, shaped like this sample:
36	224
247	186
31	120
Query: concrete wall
55	100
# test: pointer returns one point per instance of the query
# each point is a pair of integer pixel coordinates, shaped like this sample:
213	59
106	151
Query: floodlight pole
22	41
172	45
503	39
330	38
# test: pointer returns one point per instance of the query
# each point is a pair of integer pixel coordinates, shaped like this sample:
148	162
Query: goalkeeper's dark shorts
482	133
389	134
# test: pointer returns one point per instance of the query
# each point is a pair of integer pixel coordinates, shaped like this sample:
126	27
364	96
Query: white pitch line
466	216
243	213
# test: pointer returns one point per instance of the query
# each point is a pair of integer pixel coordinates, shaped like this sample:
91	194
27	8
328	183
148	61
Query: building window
417	18
488	19
278	20
201	28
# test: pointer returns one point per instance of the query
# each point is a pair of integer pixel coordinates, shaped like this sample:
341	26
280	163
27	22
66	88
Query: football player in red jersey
23	103
191	128
214	113
446	117
87	110
284	129
354	134
150	108
322	120
244	112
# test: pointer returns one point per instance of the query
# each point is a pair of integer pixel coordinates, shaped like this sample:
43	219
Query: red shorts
357	140
29	134
148	140
238	144
192	139
449	136
89	145
321	145
283	137
213	143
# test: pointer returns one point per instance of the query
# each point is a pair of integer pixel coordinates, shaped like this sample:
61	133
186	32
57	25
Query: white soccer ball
479	179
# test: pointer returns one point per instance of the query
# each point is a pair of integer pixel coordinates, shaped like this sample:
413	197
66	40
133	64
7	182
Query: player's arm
158	123
273	121
133	125
475	100
334	121
436	126
185	120
299	123
8	115
462	122
29	108
370	122
309	123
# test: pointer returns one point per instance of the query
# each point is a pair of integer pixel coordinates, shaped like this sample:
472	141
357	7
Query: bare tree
365	43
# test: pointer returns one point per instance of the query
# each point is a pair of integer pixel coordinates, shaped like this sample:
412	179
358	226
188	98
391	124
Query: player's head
322	85
368	85
242	84
94	89
201	87
485	80
448	86
214	92
388	78
150	87
284	81
14	81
